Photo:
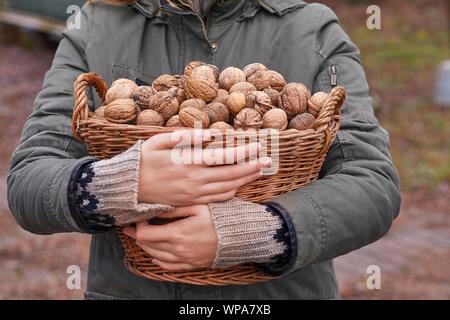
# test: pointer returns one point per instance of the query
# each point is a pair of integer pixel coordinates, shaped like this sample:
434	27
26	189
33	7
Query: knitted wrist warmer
107	191
247	232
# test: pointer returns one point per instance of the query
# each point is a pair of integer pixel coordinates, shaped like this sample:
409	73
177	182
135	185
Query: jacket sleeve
47	153
357	196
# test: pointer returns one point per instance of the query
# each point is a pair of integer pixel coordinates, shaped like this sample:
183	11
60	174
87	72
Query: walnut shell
150	117
252	68
294	99
259	101
200	88
217	112
275	119
179	93
165	103
222	95
100	112
181	79
277	81
191	66
248	119
121	111
273	94
174	121
193	103
235	102
261	79
120	89
192	117
221	125
229	76
207	71
316	102
142	96
244	87
302	121
165	82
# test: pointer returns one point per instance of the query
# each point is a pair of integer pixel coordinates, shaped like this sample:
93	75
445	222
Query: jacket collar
153	8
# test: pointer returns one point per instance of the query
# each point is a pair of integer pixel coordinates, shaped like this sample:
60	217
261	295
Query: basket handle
330	109
81	107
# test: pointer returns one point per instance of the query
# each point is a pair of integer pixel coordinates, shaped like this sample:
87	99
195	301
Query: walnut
273	94
275	119
193	103
120	89
294	99
248	119
200	88
192	117
179	93
191	66
277	81
165	103
316	103
207	71
260	79
302	121
221	126
142	95
235	102
217	112
174	121
259	101
252	68
100	112
244	87
230	76
121	111
165	82
181	79
150	117
222	95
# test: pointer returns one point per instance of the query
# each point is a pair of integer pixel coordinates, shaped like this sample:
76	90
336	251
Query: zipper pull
333	75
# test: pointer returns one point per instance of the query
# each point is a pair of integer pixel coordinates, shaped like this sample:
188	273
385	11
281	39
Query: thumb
178	138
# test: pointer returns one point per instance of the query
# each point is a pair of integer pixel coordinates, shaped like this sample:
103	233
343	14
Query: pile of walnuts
252	98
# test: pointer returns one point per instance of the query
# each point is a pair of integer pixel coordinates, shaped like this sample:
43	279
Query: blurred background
401	60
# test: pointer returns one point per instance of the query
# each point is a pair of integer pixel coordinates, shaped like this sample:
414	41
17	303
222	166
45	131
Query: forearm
250	233
353	205
106	193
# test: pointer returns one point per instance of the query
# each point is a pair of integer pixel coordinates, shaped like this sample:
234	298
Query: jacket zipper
333	75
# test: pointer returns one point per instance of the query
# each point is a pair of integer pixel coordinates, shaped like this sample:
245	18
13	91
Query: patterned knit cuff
247	232
107	191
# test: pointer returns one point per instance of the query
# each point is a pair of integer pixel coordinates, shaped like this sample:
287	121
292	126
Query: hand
186	244
162	180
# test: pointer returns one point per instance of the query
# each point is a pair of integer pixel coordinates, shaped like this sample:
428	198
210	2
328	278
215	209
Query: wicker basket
300	154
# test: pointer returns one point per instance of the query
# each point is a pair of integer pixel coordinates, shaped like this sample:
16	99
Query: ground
400	61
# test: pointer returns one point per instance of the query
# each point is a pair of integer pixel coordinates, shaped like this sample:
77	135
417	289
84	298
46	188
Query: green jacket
352	205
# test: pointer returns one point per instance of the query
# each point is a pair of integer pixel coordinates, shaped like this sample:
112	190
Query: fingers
219	156
145	232
227	186
173	266
177	138
159	254
236	171
216	197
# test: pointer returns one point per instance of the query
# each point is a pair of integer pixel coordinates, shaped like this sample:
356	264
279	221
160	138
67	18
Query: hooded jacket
351	205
